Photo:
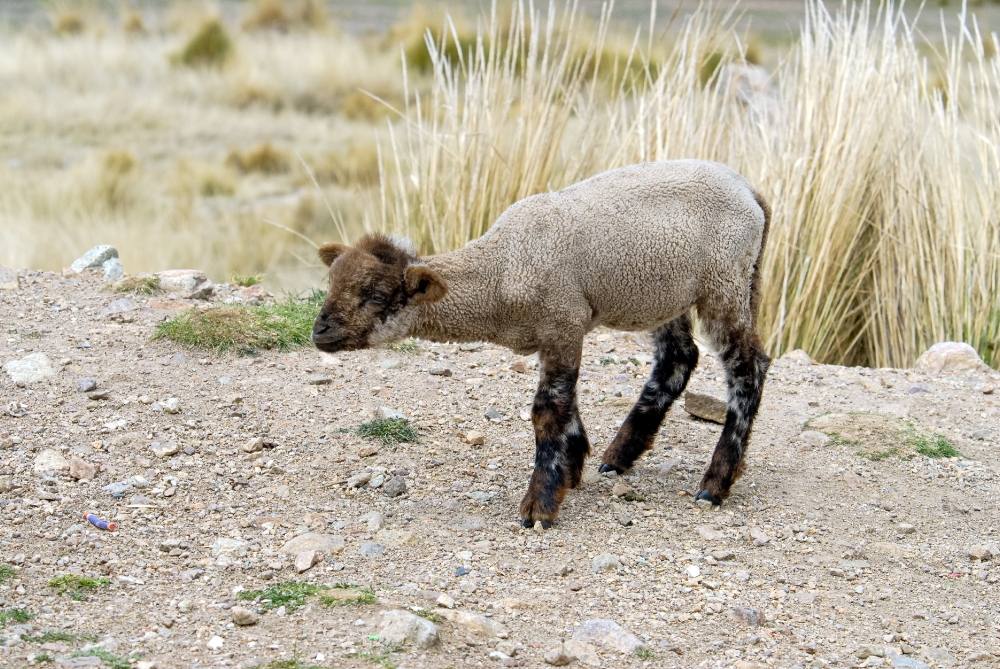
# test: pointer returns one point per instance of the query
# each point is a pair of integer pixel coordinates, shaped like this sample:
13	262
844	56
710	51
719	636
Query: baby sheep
634	248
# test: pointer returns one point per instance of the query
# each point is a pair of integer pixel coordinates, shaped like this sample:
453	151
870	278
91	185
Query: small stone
305	560
165	450
708	533
474	438
609	635
936	656
215	643
476	624
122	306
85	385
989	389
605	562
493	415
254	445
401	627
113	269
748	615
243	616
814	439
81	469
445	601
319	380
396	537
95	257
185	606
9	279
705	407
50	460
981	553
314	541
693	571
225	546
172	405
387	413
906	528
619	489
440	371
950	357
30	369
723	555
664	469
575	586
869	650
519	367
394	487
368	450
904	662
359	479
371	549
189	284
98	395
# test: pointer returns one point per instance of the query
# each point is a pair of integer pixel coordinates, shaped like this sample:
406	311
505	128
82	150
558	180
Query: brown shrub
267	15
359	106
68	23
263	158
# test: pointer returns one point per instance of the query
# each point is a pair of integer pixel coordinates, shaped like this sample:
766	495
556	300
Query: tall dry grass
886	231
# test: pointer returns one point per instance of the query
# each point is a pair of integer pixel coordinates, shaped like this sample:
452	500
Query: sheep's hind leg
746	366
675	357
560	442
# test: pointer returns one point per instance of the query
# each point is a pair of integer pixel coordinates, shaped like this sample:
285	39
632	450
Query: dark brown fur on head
374	287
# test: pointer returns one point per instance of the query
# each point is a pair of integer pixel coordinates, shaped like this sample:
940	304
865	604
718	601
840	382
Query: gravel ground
821	557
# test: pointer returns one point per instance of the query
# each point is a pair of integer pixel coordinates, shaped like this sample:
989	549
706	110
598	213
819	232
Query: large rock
30	369
190	284
950	357
609	635
313	541
96	257
705	407
50	460
476	624
400	627
81	469
9	279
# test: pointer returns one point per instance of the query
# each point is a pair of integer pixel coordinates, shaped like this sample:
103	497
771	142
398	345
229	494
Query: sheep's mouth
329	344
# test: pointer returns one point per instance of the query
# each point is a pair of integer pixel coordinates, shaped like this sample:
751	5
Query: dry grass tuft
211	46
360	106
133	24
68	22
273	15
263	158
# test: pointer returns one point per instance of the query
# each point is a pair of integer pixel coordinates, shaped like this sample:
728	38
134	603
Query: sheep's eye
378	299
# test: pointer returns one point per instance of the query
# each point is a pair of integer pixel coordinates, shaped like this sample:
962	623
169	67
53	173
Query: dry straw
886	233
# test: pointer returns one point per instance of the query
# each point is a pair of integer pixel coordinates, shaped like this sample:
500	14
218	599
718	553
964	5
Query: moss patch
879	437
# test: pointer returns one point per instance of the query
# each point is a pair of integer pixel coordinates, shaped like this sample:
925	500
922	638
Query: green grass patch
32	335
76	585
343	594
932	445
287	664
408	345
140	284
645	654
6	572
211	46
837	440
43	657
383	658
17	615
389	431
633	496
875	456
49	637
607	361
246	280
290	594
110	659
245	329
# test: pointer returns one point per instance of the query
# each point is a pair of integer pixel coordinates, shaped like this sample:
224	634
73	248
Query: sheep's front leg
560	443
675	357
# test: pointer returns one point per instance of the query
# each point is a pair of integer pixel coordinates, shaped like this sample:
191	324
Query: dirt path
833	551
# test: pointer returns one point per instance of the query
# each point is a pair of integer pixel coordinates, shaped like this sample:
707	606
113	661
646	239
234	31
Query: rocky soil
221	473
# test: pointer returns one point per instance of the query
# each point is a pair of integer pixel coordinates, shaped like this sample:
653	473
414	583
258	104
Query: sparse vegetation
389	431
211	46
287	664
344	594
875	456
379	656
246	280
6	572
261	158
43	657
645	654
932	445
290	594
48	637
137	284
244	329
15	615
435	618
76	585
110	659
408	345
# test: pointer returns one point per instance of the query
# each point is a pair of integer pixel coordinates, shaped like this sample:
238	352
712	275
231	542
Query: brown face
375	289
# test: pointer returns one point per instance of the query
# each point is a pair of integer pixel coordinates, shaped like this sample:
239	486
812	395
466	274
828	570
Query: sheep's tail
755	281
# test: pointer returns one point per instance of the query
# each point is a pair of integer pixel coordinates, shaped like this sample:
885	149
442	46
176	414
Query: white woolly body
631	249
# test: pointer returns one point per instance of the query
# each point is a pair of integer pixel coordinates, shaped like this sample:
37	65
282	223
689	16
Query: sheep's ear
329	252
424	285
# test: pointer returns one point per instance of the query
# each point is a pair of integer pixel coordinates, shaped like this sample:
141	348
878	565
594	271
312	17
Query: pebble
122	306
368	450
705	407
30	369
981	553
401	627
494	415
165	450
359	479
708	533
254	445
619	489
386	413
188	284
474	437
723	555
319	380
305	560
605	562
396	537
906	528
609	635
949	357
50	460
85	385
172	405
394	487
445	601
371	549
748	615
215	643
313	541
243	616
440	371
558	657
81	469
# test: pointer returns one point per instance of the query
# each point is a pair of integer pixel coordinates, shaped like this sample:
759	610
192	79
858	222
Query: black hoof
546	524
608	468
708	497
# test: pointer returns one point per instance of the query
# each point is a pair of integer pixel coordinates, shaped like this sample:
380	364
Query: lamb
634	248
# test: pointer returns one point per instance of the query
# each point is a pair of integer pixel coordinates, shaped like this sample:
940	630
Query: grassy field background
233	136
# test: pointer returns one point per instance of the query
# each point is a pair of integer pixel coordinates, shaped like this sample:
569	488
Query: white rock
445	601
224	546
305	560
476	624
254	445
386	412
313	541
165	450
401	627
95	257
9	279
172	405
244	616
30	369
189	284
950	357
215	643
113	269
605	562
609	635
50	460
814	439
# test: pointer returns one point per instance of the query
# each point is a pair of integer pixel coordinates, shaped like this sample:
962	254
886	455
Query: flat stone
609	635
359	479
124	305
189	284
402	627
30	369
936	656
440	371
476	624
165	449
243	616
814	438
254	445
748	615
314	541
387	413
371	549
558	657
80	469
950	357
981	553
869	650
707	533
705	407
723	555
9	279
394	487
904	662
396	538
319	380
95	257
86	385
906	528
50	460
225	546
305	560
605	562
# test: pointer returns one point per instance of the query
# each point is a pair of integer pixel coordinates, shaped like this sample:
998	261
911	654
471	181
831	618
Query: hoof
704	495
527	523
603	469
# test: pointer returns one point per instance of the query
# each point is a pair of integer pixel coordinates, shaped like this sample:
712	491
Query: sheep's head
375	289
